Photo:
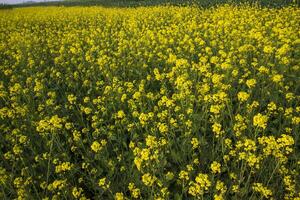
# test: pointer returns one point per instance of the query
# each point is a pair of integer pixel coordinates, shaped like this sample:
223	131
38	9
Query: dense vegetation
135	3
158	102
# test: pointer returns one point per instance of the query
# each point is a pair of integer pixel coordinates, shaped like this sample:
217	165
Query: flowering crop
158	102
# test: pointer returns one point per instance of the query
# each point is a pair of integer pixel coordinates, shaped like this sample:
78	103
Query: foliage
136	3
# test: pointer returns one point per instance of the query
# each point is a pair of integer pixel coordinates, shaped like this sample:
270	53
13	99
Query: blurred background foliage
135	3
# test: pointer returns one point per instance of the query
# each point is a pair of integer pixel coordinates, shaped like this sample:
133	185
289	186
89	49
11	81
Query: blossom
260	120
215	167
243	96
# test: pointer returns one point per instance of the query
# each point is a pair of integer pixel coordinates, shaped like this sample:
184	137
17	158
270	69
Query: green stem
49	158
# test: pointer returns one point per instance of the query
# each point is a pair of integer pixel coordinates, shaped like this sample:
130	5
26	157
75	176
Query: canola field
156	103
